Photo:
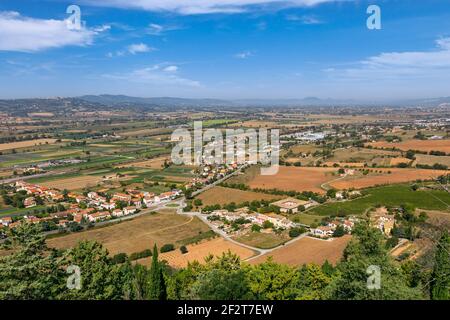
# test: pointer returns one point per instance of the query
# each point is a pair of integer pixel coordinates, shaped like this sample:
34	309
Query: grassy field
263	240
221	195
307	250
138	234
394	195
295	178
198	252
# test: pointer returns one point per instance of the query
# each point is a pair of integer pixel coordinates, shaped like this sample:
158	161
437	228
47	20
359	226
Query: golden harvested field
145	132
198	252
256	124
396	161
295	178
156	163
422	145
345	164
360	154
41	114
138	234
25	144
221	195
431	160
397	176
308	250
73	183
304	148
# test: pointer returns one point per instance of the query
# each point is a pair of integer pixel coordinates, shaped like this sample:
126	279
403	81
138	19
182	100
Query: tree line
32	270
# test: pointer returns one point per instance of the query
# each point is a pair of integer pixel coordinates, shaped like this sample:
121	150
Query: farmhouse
94	217
384	222
129	210
6	221
29	202
291	205
117	213
323	231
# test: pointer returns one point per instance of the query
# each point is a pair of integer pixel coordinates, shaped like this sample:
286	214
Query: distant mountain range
114	100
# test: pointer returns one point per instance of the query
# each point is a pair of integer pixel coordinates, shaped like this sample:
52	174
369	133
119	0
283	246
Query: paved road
39	175
224	235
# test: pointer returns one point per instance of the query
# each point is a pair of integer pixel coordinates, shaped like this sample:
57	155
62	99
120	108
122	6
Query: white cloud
139	48
158	75
171	69
201	6
25	34
405	66
102	28
243	55
305	19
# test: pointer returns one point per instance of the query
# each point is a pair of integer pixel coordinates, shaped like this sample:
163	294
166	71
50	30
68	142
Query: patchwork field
221	195
431	160
360	155
422	145
138	234
25	144
73	183
308	250
295	178
395	195
396	176
198	252
156	163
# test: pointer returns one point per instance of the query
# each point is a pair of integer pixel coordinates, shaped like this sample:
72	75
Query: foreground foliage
31	270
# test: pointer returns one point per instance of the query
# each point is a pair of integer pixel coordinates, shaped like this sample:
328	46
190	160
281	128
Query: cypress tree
440	284
157	284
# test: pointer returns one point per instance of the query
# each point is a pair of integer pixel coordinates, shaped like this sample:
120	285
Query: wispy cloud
158	29
243	55
139	48
400	65
203	6
133	49
304	19
26	34
158	75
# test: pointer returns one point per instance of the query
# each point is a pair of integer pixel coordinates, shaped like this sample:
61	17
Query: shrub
119	258
183	249
167	247
140	255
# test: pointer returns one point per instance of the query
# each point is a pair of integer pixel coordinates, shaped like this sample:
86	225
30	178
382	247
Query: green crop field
394	195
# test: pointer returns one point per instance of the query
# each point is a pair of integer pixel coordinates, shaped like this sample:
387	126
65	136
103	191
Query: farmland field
295	178
25	144
307	250
155	163
422	145
396	176
74	183
263	240
394	195
221	195
138	234
431	160
198	252
359	155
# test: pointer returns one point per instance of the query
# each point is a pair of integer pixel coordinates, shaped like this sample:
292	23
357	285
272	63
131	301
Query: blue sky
229	49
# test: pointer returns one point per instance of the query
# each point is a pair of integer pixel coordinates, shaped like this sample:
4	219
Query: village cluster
90	207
